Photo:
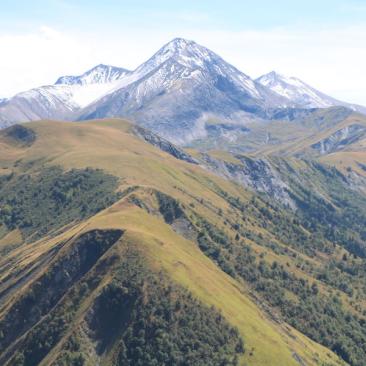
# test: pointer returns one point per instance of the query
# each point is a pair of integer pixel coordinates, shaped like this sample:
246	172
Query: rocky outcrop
257	174
340	139
163	144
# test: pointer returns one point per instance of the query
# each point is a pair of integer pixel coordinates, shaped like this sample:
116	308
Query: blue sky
322	42
230	15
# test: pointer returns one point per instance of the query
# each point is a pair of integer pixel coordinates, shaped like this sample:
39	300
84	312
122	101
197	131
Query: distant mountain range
184	92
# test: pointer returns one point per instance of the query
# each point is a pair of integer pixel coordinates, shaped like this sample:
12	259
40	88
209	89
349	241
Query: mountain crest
185	52
180	43
274	77
296	91
99	74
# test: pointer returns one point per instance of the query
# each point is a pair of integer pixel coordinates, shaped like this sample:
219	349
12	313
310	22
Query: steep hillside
165	262
331	203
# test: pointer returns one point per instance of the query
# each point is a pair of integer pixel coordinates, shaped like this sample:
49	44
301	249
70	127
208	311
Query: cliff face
256	174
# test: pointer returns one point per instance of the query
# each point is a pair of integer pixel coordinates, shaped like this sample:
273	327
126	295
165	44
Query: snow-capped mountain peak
272	78
79	90
189	53
182	59
275	79
296	91
300	93
100	74
185	52
59	101
180	87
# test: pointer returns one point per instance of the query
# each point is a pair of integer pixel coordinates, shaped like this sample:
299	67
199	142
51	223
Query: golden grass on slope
223	155
344	160
107	145
12	238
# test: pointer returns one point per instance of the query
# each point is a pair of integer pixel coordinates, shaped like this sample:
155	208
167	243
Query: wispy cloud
35	58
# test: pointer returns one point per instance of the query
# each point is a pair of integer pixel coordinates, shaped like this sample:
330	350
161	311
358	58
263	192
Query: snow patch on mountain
296	90
51	96
60	101
73	96
100	74
90	86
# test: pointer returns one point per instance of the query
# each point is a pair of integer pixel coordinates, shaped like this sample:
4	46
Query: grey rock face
340	139
282	180
163	145
257	174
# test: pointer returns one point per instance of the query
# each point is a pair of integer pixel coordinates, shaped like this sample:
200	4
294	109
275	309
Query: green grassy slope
199	235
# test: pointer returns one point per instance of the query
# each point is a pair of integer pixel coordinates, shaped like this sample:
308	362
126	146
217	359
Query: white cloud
33	59
333	60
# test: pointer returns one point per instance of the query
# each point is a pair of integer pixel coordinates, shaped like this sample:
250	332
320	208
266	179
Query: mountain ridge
98	74
301	93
